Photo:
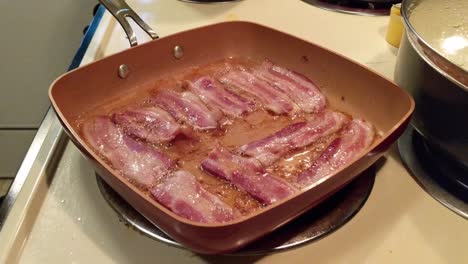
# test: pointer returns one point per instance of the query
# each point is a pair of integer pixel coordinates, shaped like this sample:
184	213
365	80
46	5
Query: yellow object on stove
395	26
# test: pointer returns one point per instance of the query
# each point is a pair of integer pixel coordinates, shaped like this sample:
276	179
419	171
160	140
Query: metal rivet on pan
178	52
124	71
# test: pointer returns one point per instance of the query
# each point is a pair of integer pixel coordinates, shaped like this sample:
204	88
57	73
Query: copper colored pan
349	87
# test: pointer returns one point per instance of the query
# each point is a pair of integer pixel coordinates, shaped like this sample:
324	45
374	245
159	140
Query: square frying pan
348	86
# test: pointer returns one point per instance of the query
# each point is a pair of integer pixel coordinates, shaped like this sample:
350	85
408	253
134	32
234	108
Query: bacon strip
140	163
211	93
270	97
247	174
185	196
356	137
186	107
149	123
298	87
268	150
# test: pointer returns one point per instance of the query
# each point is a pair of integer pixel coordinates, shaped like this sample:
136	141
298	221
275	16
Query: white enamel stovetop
60	217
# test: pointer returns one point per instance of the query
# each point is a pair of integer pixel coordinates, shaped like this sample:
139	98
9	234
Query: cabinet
39	39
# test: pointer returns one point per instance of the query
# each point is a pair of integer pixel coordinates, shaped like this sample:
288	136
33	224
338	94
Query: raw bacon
307	141
247	174
356	137
212	93
149	123
140	163
298	87
186	107
268	150
270	97
185	196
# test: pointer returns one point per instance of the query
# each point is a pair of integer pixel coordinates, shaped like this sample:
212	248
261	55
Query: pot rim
421	46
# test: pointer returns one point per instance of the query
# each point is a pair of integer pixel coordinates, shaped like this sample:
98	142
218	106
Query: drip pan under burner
320	221
443	179
356	7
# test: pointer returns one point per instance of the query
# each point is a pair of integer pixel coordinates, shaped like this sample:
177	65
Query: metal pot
438	85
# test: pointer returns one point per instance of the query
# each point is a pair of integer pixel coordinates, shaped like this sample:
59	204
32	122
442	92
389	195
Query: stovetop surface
397	223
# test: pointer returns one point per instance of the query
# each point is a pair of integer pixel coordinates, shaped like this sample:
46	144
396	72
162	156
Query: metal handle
121	10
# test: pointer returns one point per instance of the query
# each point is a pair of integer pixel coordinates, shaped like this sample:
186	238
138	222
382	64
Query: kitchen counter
59	216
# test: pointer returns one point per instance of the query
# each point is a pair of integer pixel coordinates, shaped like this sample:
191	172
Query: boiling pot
432	66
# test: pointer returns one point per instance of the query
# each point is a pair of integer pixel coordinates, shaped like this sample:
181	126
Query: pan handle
121	10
